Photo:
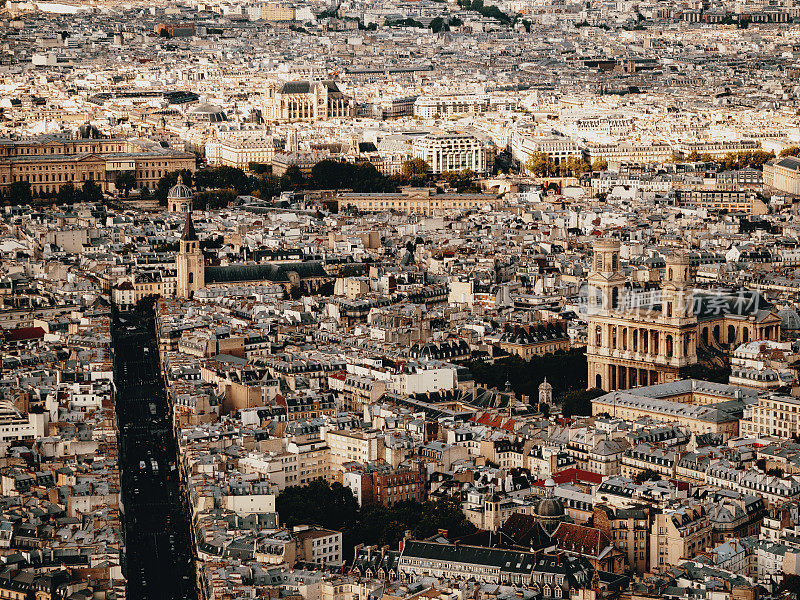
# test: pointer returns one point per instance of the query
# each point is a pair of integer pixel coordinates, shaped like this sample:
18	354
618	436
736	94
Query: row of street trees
542	165
733	161
219	185
19	193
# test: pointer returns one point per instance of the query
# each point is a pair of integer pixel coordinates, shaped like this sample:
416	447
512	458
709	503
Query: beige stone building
700	406
677	535
50	162
639	339
773	415
353	446
277	11
415	201
783	174
306	101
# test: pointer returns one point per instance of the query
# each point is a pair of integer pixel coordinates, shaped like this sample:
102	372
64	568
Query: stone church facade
630	345
307	101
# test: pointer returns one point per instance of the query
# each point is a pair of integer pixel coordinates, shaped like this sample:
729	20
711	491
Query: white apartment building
349	446
777	415
236	151
15	426
321	546
429	107
281	468
451	151
608	124
558	148
423	379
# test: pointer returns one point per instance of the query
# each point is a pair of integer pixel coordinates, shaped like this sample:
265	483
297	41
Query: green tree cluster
790	151
360	177
487	10
733	161
565	371
407	22
125	181
331	505
462	181
19	193
647	475
578	402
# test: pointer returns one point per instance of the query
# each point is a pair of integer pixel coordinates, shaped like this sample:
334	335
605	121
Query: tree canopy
790	151
331	505
565	371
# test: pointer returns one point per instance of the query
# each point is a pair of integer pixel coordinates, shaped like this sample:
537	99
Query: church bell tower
191	266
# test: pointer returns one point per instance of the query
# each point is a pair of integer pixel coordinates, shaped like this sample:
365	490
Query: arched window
191	277
614	297
670	348
731	334
745	335
598	381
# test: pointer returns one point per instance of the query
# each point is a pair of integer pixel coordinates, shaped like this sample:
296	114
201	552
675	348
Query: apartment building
627	152
718	148
456	561
313	460
318	545
379	483
558	148
353	446
429	107
451	151
629	530
277	11
240	152
773	414
783	174
730	200
678	534
16	425
646	457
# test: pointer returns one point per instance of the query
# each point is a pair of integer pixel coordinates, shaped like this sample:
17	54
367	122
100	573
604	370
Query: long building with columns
631	344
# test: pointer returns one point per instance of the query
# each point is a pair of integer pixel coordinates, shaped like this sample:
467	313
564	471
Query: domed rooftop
208	112
179	191
789	318
550	507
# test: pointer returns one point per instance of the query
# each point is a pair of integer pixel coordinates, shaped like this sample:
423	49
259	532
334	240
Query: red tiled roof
496	422
484	419
24	333
574	475
509	425
580	539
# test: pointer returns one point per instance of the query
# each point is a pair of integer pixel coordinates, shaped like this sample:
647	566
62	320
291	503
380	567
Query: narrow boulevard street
159	561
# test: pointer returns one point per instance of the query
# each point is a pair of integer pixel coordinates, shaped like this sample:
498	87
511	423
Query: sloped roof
264	272
507	560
